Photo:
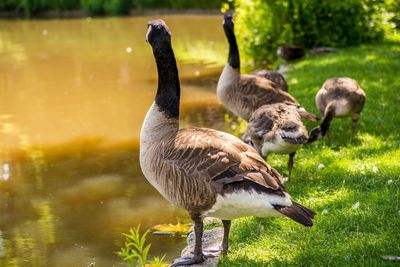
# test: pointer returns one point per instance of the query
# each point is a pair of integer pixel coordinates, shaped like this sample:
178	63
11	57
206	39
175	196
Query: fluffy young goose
243	94
204	171
338	97
276	128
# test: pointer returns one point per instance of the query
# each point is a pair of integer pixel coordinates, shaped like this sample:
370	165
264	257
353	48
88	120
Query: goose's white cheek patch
279	146
148	33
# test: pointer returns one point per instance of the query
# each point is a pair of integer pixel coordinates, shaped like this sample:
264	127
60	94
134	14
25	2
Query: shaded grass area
352	183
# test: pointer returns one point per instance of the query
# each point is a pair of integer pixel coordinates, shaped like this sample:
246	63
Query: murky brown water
73	95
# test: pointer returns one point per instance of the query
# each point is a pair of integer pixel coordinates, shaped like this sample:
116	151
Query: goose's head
157	32
276	128
228	22
293	132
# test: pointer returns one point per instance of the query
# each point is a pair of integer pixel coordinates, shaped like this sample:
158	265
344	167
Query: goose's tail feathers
297	213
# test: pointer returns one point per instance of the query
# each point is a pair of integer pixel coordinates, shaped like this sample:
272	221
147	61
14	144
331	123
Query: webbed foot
188	261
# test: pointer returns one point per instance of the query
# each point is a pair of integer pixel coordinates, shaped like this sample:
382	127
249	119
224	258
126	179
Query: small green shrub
263	25
135	251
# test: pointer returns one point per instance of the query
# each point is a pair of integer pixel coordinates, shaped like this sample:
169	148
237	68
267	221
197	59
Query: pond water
73	95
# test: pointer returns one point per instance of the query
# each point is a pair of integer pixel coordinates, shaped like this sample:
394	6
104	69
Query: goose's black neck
168	92
233	58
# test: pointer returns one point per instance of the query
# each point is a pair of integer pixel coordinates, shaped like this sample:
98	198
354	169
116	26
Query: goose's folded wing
262	121
258	91
220	158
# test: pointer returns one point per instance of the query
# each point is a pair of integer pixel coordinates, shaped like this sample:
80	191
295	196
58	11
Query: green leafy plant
135	251
263	25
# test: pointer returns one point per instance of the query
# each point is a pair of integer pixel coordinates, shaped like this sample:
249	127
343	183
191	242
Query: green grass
364	170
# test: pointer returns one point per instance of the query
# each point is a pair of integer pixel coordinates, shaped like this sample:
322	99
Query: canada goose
338	97
276	128
204	171
243	94
273	76
290	52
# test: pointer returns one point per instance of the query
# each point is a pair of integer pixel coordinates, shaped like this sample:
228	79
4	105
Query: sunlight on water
73	95
5	172
80	78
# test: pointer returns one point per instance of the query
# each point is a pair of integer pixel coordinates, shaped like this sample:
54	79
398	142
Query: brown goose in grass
276	128
204	171
290	52
243	94
338	97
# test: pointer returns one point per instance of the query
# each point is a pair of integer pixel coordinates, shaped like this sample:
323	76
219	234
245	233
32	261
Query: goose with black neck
204	171
244	93
338	97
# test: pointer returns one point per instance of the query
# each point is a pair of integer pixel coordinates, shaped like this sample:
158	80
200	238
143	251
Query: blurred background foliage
265	24
262	25
102	7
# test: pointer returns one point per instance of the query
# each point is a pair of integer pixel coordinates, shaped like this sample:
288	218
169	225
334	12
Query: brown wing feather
220	158
263	92
262	121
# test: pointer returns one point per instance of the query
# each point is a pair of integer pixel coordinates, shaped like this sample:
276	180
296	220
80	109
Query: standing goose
276	128
204	171
243	94
338	97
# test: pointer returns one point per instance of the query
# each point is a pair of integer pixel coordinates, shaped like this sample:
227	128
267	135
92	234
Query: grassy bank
355	189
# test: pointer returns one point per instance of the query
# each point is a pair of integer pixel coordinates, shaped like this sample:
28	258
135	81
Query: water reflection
5	172
73	94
